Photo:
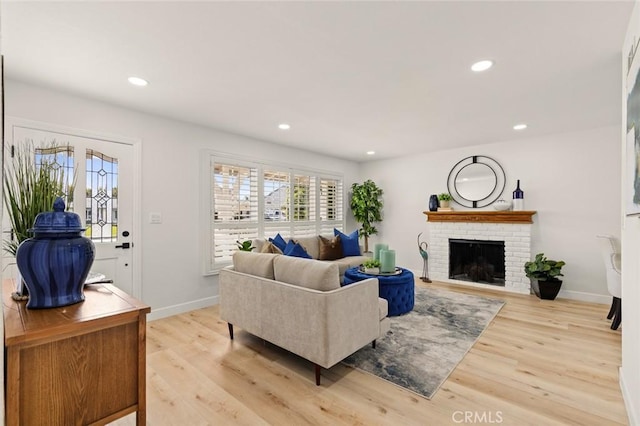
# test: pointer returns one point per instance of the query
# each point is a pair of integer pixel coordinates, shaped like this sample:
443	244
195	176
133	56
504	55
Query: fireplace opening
477	261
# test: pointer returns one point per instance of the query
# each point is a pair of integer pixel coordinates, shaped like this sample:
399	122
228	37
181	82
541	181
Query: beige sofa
298	304
312	246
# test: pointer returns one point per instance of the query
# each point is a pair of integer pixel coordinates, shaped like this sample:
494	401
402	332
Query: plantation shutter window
234	209
331	204
250	200
276	195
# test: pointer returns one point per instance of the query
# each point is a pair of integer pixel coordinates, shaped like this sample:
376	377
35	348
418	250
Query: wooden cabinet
75	365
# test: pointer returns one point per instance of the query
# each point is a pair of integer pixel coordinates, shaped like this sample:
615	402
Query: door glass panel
102	197
59	159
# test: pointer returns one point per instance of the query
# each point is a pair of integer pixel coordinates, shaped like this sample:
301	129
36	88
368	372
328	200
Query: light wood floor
538	363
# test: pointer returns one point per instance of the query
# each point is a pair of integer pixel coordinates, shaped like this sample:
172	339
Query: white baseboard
633	412
585	297
181	308
603	299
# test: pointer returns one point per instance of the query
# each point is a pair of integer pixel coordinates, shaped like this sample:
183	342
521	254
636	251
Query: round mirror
476	181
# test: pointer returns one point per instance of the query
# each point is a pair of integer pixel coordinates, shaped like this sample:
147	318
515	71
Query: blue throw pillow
350	243
279	242
296	250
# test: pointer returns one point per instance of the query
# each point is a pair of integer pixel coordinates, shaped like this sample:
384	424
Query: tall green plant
28	190
366	206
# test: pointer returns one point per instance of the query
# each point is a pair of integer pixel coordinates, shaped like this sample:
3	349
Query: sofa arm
240	299
323	327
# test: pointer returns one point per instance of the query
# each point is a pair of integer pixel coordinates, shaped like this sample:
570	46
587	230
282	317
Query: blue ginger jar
54	264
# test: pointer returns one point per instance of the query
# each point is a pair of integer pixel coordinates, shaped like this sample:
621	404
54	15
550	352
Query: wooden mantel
488	216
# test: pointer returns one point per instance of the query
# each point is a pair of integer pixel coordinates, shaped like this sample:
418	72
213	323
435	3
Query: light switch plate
155	218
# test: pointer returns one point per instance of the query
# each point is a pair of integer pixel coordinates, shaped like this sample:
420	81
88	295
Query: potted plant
366	206
29	189
544	273
371	266
444	199
245	245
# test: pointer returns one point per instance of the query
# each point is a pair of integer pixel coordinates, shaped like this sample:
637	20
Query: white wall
630	370
571	180
171	265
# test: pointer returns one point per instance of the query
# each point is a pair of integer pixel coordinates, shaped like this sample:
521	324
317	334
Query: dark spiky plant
366	206
29	189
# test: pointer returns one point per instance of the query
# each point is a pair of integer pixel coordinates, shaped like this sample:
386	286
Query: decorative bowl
502	205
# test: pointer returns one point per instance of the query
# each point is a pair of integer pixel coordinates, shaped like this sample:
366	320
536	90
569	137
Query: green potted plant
371	266
366	206
444	199
245	245
29	189
544	274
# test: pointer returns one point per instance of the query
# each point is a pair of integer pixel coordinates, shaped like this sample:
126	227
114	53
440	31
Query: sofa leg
231	331
317	369
373	344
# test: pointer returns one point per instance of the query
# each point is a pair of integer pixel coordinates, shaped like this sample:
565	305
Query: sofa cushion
350	243
310	244
269	247
306	273
259	264
349	262
330	248
279	242
296	250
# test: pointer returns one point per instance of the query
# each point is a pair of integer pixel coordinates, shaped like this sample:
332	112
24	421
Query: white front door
103	186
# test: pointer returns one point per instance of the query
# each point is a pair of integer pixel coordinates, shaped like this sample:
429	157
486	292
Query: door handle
125	246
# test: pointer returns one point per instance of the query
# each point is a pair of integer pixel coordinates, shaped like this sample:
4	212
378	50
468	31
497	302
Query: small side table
399	290
78	364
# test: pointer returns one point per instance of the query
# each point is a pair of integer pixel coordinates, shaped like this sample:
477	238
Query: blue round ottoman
397	289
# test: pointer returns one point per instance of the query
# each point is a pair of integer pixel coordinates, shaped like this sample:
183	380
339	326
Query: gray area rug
425	345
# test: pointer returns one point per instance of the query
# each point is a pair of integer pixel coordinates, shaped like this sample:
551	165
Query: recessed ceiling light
137	81
520	126
371	152
284	126
482	65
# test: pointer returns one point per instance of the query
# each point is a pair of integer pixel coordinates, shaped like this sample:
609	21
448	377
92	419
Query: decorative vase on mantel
54	264
518	198
433	203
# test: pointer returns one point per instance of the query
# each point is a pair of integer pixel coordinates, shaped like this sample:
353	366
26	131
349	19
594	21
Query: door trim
136	144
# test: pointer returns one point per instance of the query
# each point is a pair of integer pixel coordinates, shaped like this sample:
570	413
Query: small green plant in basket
371	266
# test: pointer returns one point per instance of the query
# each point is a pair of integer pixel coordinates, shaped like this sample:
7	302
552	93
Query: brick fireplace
511	228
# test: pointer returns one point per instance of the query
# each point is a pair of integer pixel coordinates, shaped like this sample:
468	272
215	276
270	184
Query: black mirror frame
499	186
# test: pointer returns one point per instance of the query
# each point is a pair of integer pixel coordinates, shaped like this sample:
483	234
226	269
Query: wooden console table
82	364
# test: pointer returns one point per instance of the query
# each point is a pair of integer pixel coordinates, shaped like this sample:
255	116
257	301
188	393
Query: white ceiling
348	76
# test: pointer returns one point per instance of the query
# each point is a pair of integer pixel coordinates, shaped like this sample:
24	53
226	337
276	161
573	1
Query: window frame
264	227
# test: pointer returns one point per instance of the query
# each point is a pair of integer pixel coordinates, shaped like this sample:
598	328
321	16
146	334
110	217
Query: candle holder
377	249
387	261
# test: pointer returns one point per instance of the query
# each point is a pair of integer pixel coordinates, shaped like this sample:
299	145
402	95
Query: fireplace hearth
477	261
513	228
